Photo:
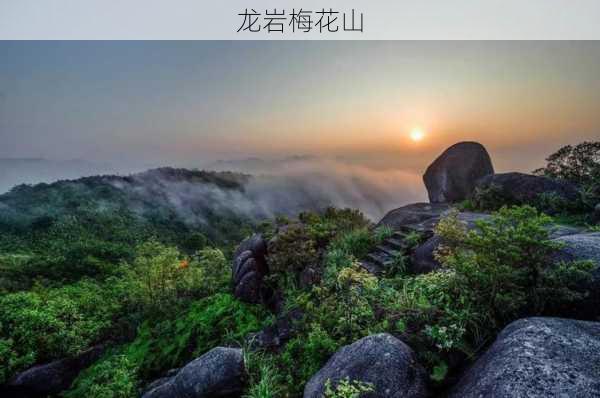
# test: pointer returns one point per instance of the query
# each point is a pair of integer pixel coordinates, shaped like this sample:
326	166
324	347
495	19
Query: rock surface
381	359
423	259
520	188
537	358
452	176
424	216
218	373
54	377
249	269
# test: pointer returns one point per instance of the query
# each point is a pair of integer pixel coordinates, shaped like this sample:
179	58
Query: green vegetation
491	275
79	267
347	389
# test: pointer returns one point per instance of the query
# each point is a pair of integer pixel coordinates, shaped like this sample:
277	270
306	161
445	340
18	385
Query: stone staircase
382	257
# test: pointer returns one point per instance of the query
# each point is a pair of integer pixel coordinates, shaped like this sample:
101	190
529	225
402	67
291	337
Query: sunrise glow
417	134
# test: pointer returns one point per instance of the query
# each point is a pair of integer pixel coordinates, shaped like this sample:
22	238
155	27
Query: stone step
374	269
387	250
399	235
379	260
395	243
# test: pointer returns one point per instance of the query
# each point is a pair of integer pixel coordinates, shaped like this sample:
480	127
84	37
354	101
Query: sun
417	134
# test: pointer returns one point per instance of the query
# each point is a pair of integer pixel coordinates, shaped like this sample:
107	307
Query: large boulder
53	377
452	176
520	188
382	360
249	269
537	358
218	373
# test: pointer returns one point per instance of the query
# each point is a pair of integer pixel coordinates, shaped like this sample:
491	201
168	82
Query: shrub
113	376
292	249
303	356
352	284
47	324
504	264
212	321
491	197
164	276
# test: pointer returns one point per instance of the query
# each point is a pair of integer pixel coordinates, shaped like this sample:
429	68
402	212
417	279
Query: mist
297	183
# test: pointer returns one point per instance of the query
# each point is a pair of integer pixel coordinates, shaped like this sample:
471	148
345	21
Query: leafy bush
47	324
290	252
209	322
113	376
164	276
298	245
504	264
491	197
352	284
303	356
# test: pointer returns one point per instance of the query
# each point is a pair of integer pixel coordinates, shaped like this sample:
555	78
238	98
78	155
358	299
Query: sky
189	103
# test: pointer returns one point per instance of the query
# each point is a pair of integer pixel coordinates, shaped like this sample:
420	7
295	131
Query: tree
579	164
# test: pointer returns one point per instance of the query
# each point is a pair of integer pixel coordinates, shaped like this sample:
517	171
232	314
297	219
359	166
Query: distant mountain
165	199
14	171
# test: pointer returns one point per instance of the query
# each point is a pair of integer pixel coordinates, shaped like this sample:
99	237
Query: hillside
179	283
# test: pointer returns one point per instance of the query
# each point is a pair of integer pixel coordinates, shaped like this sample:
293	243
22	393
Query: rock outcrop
53	377
423	217
537	358
452	176
382	360
413	214
249	268
218	373
520	188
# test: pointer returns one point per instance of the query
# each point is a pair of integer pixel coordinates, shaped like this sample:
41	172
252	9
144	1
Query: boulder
423	258
537	358
520	188
412	214
249	269
452	176
382	360
256	244
218	373
424	216
53	377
